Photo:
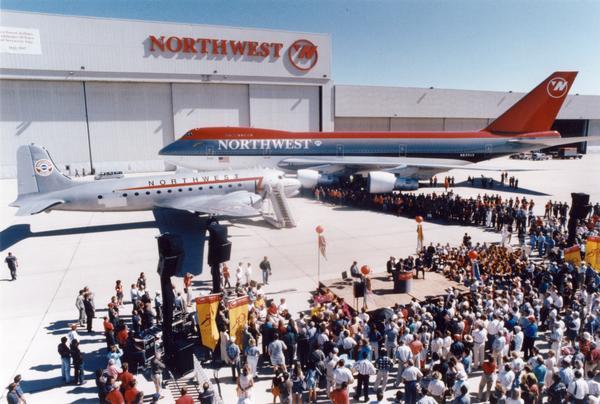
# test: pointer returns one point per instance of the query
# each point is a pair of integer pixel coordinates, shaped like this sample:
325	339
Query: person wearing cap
436	387
383	364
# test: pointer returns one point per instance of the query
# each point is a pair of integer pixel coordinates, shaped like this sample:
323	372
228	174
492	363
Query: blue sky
467	44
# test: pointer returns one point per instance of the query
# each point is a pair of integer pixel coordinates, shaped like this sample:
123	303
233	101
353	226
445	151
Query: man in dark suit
90	312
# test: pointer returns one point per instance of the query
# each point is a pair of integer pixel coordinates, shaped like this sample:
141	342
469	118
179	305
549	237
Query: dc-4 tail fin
537	110
37	173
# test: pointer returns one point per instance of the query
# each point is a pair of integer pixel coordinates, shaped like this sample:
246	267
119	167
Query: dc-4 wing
34	205
236	204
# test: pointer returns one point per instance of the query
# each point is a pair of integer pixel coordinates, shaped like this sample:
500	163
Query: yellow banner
238	317
573	255
592	252
206	307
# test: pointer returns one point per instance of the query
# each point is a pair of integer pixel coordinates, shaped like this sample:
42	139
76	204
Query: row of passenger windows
171	190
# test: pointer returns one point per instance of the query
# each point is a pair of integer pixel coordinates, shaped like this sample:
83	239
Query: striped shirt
364	367
384	363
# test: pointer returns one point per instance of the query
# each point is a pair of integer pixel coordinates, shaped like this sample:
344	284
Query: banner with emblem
238	317
592	252
573	255
207	307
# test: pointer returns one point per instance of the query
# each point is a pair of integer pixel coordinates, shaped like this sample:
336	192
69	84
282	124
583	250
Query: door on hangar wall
202	105
284	107
48	113
129	124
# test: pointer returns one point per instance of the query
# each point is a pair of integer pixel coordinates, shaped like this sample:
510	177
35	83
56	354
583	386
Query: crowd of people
528	327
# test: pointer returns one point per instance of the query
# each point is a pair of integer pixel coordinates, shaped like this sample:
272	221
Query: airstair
276	209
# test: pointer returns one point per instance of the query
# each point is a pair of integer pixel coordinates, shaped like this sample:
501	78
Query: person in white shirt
342	374
578	388
411	376
437	387
506	377
403	355
593	388
248	273
479	335
364	369
73	335
518	338
514	397
239	274
330	366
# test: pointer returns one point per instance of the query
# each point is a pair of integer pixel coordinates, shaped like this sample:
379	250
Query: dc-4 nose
291	186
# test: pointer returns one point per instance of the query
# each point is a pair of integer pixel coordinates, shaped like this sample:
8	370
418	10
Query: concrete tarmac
61	252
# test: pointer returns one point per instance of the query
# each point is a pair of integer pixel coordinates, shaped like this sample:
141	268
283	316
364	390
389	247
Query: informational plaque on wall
25	41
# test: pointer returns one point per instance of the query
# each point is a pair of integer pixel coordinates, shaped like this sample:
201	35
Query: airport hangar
109	93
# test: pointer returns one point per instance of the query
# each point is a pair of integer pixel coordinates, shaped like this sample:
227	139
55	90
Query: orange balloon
473	254
419	219
319	229
365	269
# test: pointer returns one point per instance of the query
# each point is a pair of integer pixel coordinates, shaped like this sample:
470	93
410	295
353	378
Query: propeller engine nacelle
381	182
311	178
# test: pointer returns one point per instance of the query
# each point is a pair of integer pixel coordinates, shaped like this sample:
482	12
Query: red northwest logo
303	55
557	87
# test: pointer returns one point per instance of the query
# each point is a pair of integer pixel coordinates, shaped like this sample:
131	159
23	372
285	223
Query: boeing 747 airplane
391	160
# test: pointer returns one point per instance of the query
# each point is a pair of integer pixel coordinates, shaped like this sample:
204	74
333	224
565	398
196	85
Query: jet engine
381	182
311	178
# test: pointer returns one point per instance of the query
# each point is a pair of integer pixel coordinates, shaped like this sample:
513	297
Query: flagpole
318	261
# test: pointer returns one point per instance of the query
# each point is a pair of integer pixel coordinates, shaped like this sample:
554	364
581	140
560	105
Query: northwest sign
302	54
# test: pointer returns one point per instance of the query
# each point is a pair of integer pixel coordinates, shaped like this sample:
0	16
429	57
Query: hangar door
201	105
129	124
49	113
294	108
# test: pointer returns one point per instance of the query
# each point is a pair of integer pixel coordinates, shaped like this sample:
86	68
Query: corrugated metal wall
49	113
293	108
408	124
129	124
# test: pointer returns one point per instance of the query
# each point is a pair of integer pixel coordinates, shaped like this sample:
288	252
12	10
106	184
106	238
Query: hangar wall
49	112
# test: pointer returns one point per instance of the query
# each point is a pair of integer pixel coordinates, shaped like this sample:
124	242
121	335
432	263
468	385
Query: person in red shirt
125	377
131	392
114	396
340	395
185	397
416	346
487	378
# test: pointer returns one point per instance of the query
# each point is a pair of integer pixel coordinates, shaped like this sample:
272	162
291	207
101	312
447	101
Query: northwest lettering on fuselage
193	180
265	144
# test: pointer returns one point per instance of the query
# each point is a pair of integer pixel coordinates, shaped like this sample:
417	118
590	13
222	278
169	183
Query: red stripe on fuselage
228	133
184	184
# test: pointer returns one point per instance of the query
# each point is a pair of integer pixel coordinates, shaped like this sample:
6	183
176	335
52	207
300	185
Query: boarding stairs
276	209
193	382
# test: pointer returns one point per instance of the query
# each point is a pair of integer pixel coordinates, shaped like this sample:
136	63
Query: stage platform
433	285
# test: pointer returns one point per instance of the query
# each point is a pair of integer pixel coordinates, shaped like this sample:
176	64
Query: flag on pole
573	255
592	252
206	307
238	317
322	246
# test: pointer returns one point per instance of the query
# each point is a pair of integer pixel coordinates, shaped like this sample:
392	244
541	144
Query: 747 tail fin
537	110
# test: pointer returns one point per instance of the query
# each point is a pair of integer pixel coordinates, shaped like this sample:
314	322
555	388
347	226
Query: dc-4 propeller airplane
42	188
391	160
